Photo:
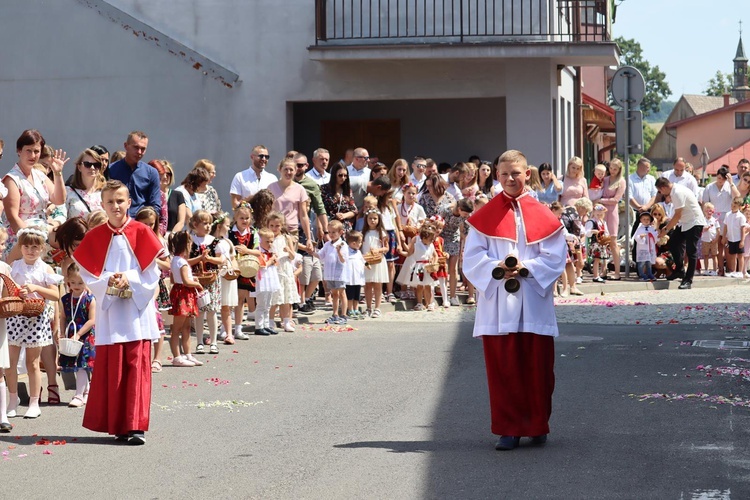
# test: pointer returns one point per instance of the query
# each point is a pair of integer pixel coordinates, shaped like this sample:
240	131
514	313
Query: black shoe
306	308
539	440
122	437
262	331
295	307
271	331
675	276
5	427
506	443
311	303
137	438
685	285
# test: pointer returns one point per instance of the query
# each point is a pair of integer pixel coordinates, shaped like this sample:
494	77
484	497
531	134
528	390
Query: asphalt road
399	410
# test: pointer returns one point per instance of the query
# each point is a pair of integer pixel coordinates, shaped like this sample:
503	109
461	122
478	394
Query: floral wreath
34	231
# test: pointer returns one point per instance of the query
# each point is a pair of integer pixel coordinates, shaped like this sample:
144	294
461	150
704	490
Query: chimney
726	100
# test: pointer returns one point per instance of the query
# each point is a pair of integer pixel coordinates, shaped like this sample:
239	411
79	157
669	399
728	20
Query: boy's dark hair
353	236
466	205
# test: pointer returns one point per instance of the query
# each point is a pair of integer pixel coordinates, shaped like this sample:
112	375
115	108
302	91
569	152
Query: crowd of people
353	231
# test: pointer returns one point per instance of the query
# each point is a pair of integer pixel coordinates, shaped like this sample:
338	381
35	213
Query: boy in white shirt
645	246
334	255
733	233
710	239
356	263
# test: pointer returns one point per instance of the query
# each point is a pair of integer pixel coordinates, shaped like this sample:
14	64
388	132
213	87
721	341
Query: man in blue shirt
141	178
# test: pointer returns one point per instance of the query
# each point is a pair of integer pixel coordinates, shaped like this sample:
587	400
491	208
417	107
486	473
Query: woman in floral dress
337	197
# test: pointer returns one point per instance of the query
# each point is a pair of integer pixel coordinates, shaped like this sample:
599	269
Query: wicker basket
443	260
12	304
69	347
410	231
249	265
204	277
229	273
432	267
33	307
373	258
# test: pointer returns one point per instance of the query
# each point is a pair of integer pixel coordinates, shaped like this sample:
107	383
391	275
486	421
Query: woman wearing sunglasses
84	195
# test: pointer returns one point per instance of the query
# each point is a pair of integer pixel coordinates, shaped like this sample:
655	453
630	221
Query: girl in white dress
36	280
266	284
225	250
413	273
284	249
375	242
4	357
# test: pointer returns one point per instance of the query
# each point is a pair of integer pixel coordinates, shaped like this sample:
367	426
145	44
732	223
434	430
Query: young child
710	240
203	257
420	253
266	284
597	183
645	246
78	307
375	241
285	251
244	237
369	203
5	425
574	249
184	299
441	275
746	232
388	216
150	218
118	264
225	250
356	264
733	234
333	255
598	251
35	280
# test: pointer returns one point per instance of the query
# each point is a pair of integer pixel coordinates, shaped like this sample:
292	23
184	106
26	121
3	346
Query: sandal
229	340
375	313
156	366
53	397
76	402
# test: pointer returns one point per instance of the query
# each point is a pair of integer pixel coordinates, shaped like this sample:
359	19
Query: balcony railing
345	22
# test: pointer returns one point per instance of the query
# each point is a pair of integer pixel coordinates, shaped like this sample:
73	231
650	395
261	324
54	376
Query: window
742	120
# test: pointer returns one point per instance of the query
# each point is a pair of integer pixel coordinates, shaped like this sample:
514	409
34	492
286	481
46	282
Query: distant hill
664	109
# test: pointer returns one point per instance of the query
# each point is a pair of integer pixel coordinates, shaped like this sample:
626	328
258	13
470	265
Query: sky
688	39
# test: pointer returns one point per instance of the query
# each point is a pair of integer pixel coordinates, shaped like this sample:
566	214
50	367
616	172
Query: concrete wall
447	130
82	79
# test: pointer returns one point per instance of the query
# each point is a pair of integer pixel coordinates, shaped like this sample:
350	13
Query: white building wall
83	79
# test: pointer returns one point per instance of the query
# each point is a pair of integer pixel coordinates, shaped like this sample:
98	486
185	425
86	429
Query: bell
498	273
512	285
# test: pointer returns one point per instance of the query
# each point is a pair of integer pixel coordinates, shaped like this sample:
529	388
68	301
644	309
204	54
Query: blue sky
688	39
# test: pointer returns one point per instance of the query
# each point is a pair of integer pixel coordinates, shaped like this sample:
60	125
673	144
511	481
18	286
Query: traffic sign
628	87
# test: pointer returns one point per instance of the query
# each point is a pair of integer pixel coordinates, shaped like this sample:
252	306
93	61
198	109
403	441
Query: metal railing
460	21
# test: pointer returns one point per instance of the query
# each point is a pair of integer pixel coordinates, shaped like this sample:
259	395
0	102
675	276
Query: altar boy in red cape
517	329
114	267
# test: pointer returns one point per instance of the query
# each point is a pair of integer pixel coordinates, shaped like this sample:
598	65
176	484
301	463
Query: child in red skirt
184	299
441	275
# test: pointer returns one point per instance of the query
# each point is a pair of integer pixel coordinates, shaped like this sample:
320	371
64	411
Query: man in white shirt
359	176
642	189
742	166
720	193
678	175
319	173
248	182
418	167
687	222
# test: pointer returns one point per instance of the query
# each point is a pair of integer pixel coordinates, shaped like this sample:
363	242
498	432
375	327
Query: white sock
82	383
13	402
34	403
3	403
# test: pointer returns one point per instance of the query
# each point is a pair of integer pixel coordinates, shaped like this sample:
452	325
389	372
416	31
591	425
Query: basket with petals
373	258
204	277
249	265
13	305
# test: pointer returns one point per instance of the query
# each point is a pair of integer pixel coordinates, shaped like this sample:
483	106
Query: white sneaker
182	361
288	326
194	360
579	280
455	302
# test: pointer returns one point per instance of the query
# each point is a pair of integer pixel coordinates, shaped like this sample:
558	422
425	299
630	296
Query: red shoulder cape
91	254
497	219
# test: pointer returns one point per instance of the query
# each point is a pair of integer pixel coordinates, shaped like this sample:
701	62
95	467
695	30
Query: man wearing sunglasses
141	179
248	182
359	176
418	167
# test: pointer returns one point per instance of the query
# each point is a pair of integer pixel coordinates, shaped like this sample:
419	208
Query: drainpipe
577	106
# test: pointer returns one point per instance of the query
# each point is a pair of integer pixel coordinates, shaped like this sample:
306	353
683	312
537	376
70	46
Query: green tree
649	134
719	84
657	88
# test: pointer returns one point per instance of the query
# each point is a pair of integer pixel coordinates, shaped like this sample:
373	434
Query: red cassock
520	365
120	397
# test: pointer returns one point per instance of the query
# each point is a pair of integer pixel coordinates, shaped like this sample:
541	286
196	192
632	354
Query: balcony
578	31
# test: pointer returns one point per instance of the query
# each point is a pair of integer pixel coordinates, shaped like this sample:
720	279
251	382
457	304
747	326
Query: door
381	138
